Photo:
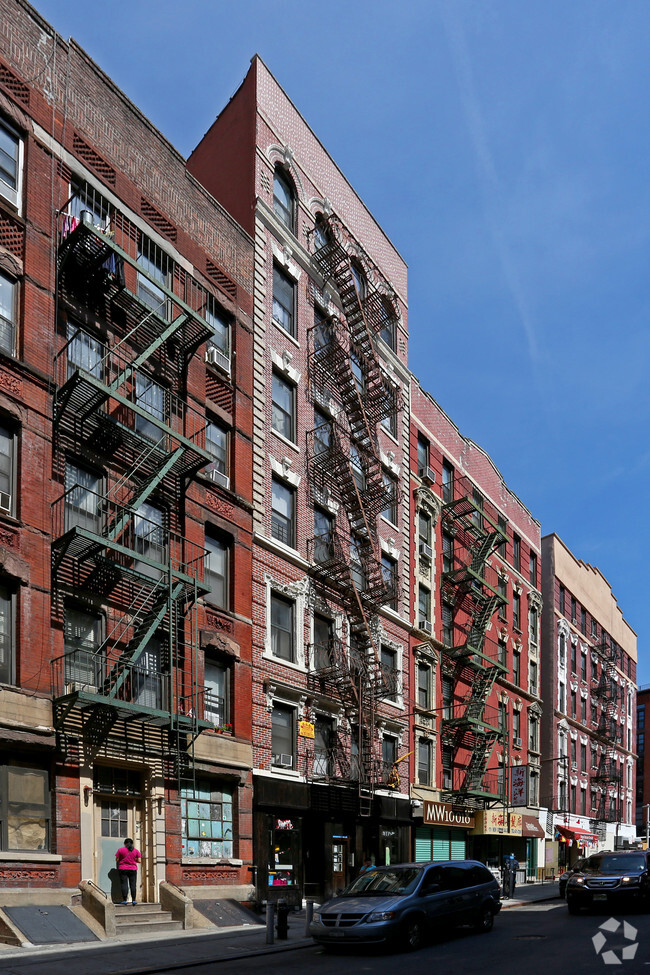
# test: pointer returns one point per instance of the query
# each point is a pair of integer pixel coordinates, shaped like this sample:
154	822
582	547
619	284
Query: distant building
642	814
589	659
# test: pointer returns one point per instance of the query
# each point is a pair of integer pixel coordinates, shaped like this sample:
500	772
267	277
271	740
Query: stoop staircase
144	919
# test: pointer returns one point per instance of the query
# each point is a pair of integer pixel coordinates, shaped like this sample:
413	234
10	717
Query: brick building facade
589	659
476	579
125	516
331	692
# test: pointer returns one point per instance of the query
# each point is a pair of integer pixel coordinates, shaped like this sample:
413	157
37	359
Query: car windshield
621	864
382	881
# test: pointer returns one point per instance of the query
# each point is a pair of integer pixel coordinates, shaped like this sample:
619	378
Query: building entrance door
114	820
339	863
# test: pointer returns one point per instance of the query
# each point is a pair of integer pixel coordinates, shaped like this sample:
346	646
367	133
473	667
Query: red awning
531	827
581	836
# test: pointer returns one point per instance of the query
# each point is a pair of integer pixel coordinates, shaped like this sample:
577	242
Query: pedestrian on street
510	867
127	859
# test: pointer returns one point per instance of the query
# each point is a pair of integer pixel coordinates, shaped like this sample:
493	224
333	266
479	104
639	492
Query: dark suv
612	880
402	903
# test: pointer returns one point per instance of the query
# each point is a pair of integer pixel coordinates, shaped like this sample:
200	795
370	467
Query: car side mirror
430	889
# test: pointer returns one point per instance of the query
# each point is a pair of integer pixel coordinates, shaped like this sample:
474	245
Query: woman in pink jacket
127	859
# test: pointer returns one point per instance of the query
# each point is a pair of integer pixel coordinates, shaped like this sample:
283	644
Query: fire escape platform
128	711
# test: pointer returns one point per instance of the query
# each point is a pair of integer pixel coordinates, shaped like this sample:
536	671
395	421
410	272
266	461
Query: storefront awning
531	827
581	836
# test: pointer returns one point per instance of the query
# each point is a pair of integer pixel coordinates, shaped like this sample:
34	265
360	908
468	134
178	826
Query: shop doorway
114	820
340	877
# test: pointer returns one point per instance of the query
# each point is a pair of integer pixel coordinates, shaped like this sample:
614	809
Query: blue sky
503	146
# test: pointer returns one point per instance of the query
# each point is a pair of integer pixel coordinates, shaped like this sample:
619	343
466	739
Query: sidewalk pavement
168	952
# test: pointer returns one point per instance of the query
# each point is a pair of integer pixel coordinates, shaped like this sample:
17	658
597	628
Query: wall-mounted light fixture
87	794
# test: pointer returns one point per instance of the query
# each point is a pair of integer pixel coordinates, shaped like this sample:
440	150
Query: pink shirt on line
127	859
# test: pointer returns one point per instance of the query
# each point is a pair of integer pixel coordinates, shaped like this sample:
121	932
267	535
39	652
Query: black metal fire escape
121	407
607	691
470	728
344	466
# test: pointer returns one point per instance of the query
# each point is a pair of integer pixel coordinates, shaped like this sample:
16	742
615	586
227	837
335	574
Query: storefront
443	833
498	833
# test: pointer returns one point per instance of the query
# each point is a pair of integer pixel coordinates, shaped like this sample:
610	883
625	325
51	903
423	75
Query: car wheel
413	933
573	907
485	921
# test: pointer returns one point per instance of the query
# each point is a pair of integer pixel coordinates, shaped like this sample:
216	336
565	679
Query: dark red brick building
125	490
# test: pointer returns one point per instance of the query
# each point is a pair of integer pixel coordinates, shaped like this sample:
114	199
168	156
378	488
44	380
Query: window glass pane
9	155
220	324
151	398
283	300
216	571
84	352
7	313
282	513
7	441
216	444
83	498
283	407
283	199
281	628
6	636
282	746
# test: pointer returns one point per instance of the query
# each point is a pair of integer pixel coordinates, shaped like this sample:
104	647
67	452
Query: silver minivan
403	902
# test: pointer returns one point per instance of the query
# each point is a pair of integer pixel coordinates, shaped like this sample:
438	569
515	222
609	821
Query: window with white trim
8	313
11	164
283	736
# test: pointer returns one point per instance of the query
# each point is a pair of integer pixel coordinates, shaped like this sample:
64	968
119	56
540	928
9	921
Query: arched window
387	328
359	279
284	199
321	232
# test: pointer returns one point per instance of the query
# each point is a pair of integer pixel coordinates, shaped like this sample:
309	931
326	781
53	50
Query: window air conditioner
215	357
218	476
426	551
5	501
286	761
425	626
428	475
517	742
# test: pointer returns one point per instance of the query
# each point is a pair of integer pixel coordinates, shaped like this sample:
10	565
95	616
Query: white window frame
14	194
10	322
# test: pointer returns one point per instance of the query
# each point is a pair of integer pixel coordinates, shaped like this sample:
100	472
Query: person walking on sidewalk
510	867
127	859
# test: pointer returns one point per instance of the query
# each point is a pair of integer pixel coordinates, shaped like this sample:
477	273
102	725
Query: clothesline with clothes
114	263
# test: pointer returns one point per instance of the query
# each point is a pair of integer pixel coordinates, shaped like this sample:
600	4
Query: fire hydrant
282	925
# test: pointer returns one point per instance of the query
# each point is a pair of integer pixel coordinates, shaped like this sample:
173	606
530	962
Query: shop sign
518	786
499	821
283	824
443	814
306	729
388	833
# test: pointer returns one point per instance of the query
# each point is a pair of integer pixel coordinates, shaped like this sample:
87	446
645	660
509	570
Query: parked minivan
403	902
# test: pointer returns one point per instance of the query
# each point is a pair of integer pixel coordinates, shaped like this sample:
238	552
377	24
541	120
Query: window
390	488
358	368
424	604
284	199
321	234
11	164
516	667
282	627
323	634
503	527
359	280
447	624
424	527
323	746
574	702
389	422
562	600
533	569
532	688
357	570
207	820
283	407
387	324
83	499
423	452
218	348
25	807
516	552
447	552
153	276
216	444
217	571
390	673
447	482
424	762
447	772
516	610
357	468
516	724
502	586
389	578
283	738
533	624
283	512
424	686
583	666
562	699
574	618
84	352
389	752
7	470
150	539
7	640
594	629
323	529
149	681
574	667
583	757
150	397
502	651
533	732
447	698
8	313
83	639
322	432
477	515
562	650
284	299
583	620
216	689
583	709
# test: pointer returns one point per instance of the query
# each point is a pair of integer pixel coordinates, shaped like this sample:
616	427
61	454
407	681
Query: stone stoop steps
146	919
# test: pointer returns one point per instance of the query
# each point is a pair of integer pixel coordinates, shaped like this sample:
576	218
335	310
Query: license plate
600	897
